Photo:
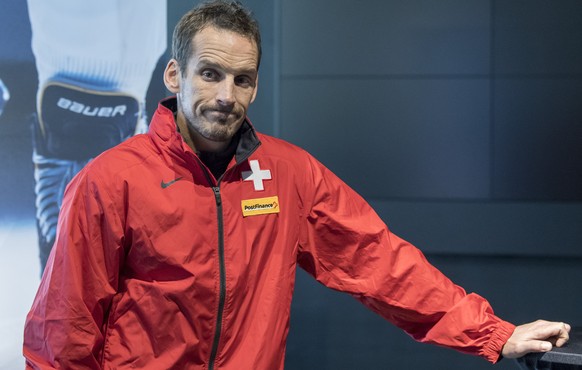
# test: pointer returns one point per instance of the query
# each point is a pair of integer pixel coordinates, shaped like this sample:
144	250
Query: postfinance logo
260	206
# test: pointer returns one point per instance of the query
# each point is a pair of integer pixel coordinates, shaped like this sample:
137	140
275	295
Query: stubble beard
217	131
210	128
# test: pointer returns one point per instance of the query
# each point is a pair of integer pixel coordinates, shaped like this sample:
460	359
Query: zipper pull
216	190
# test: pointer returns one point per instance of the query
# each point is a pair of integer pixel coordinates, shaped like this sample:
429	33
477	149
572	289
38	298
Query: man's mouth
220	115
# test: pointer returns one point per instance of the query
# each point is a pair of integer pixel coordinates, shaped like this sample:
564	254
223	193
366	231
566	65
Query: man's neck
217	162
200	144
215	155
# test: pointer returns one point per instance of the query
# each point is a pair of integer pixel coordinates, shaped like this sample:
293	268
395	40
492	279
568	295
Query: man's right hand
537	336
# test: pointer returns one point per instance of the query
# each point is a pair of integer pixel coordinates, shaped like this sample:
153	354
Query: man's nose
225	93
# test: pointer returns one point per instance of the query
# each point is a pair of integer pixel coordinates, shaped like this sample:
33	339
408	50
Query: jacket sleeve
347	247
64	328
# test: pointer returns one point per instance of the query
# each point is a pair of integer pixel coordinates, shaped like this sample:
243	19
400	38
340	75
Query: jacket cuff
502	332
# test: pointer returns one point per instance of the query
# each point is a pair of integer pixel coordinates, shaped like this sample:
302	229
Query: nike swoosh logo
166	184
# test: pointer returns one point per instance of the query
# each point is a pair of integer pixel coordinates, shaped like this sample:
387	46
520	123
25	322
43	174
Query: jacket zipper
221	263
222	273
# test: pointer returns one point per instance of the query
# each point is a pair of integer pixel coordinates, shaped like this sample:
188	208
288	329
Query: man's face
217	86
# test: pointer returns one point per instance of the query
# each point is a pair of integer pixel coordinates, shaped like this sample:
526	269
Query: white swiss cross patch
256	175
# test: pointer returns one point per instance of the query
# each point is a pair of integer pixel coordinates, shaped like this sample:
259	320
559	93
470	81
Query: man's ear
256	89
172	76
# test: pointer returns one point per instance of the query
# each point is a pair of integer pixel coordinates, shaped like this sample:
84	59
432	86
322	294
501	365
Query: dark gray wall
460	121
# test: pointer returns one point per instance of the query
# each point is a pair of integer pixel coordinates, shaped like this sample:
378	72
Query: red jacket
157	265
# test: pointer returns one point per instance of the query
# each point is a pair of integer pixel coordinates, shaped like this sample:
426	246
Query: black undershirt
218	162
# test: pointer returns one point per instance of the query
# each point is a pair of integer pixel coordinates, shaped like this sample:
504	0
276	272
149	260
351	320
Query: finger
537	346
555	330
563	336
522	348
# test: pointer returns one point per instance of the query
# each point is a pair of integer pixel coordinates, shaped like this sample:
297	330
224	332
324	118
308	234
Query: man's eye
209	75
243	81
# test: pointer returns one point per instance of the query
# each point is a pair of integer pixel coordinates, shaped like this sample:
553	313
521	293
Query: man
178	249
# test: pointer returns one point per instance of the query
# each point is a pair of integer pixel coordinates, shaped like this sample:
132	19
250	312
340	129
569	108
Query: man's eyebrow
207	63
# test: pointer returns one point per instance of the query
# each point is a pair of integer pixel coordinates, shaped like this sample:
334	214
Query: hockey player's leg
74	124
80	72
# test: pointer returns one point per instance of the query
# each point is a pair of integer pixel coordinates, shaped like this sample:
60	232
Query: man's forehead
224	48
221	35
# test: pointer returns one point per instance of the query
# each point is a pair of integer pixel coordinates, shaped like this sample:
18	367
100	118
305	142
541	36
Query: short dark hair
224	15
